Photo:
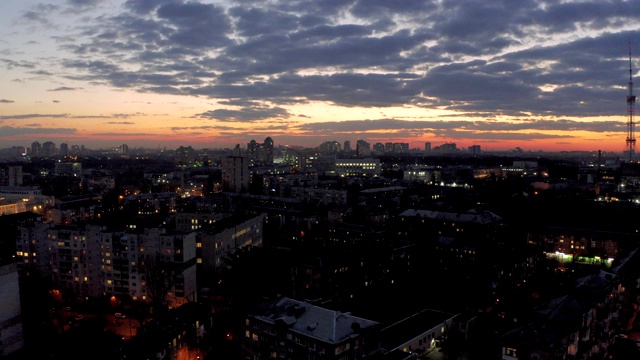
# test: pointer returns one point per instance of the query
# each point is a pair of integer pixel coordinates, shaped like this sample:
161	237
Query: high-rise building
427	147
388	147
36	149
48	149
64	149
90	262
474	149
379	148
253	151
235	172
347	146
14	176
268	150
329	147
363	148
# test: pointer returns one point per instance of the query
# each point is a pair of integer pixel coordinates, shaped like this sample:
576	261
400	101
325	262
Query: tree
159	280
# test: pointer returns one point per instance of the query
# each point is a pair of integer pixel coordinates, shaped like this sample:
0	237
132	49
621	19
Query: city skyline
538	75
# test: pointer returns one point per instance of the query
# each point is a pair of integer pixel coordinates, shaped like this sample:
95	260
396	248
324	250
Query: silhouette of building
363	148
36	149
347	146
48	149
268	151
474	149
64	149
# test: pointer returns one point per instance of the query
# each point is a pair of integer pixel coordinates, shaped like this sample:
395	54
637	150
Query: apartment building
285	328
93	261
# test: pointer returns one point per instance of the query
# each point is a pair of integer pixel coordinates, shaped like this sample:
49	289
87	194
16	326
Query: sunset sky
539	75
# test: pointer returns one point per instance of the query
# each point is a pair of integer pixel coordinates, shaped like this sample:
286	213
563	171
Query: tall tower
631	101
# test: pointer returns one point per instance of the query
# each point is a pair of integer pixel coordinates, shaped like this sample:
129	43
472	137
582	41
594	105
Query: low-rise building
285	328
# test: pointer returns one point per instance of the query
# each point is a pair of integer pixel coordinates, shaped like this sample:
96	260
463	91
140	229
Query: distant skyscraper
36	149
363	148
379	148
427	146
124	149
64	149
48	149
347	146
253	151
329	147
268	150
474	149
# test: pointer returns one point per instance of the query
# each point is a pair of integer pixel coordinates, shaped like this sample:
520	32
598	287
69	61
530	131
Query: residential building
235	172
285	328
11	330
92	261
418	333
218	241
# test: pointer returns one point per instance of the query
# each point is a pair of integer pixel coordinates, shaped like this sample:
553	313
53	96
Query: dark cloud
83	3
467	127
64	88
10	64
195	24
246	114
5	101
206	127
6	131
40	14
120	123
32	116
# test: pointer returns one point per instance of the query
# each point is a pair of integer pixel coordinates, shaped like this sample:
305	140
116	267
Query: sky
547	75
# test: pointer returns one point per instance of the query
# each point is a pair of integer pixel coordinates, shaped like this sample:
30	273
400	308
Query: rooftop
313	321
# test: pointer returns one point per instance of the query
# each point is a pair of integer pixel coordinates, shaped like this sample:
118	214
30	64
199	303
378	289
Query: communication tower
631	101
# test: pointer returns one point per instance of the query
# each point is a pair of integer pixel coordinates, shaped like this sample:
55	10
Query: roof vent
312	326
299	311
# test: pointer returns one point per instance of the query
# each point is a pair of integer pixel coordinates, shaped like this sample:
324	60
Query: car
120	315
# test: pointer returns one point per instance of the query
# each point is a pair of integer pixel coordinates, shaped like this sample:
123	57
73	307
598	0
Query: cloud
5	101
32	116
83	3
468	128
6	131
64	88
120	123
40	14
246	114
11	64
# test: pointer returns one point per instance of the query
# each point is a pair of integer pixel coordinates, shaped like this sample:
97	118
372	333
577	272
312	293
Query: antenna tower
631	101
